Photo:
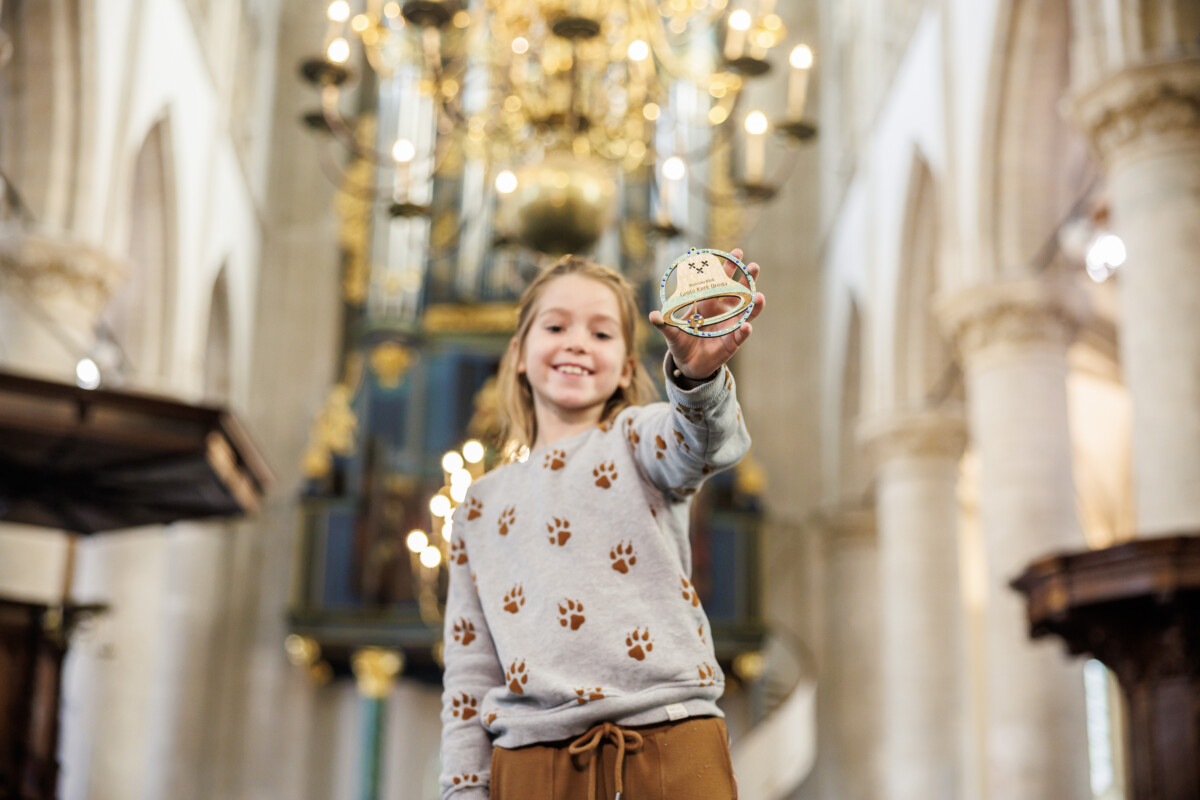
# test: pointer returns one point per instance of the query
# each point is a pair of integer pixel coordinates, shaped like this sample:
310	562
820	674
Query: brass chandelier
553	103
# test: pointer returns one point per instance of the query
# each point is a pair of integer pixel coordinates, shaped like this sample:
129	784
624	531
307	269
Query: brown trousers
685	760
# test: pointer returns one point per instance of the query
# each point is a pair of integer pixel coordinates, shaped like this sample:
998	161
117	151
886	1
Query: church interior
259	262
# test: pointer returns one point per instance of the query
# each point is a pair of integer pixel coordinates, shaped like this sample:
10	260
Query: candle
801	60
756	146
735	39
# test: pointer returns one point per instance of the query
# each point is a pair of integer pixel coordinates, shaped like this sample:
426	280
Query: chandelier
551	106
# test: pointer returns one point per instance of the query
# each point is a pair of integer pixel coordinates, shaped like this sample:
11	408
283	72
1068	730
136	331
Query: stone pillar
1013	338
848	706
917	457
1145	123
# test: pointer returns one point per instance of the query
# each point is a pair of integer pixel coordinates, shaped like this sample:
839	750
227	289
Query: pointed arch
922	356
141	315
1035	164
218	342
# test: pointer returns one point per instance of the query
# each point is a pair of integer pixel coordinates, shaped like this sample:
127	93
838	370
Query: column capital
49	267
1034	311
940	433
1142	108
848	526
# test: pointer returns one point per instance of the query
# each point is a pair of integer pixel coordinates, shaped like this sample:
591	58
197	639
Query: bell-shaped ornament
704	294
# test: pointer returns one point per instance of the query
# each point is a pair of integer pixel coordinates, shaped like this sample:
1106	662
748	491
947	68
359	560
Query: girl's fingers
760	301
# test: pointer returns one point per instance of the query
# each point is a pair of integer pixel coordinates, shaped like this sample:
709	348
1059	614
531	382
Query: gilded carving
391	362
333	433
482	318
376	670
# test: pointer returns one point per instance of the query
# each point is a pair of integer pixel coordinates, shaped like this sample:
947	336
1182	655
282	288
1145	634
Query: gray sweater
570	597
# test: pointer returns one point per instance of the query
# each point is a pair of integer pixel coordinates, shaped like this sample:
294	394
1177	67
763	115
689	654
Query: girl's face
575	355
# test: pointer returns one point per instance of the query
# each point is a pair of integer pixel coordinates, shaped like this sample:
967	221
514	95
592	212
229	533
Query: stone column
848	706
916	456
1013	339
1145	123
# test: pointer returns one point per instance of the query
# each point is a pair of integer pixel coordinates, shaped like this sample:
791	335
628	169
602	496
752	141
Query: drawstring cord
590	744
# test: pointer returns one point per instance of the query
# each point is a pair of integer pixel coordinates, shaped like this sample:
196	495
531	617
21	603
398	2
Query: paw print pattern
555	459
700	630
706	470
708	675
464	631
692	415
684	492
514	599
679	441
639	644
489	719
466	779
623	557
660	447
570	613
474	509
606	426
586	694
517	677
458	552
631	433
605	474
508	518
465	706
689	592
654	512
560	531
728	380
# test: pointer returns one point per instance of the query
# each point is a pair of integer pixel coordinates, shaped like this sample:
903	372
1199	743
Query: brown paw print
631	433
466	780
693	415
475	581
474	509
623	557
586	695
708	675
458	552
684	492
700	630
560	531
517	677
654	512
606	426
639	643
706	470
689	592
507	518
490	718
570	612
679	441
728	380
660	447
464	631
465	706
514	599
555	459
605	474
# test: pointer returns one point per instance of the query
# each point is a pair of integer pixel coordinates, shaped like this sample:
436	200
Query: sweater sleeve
471	669
697	432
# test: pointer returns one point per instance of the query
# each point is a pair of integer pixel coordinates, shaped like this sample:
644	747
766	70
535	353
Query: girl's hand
699	357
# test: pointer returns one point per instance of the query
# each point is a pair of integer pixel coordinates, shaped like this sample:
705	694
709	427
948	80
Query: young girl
579	663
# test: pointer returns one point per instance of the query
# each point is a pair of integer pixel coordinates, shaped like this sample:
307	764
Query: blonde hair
518	422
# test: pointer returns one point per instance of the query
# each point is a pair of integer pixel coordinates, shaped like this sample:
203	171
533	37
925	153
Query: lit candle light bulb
735	38
801	60
756	130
